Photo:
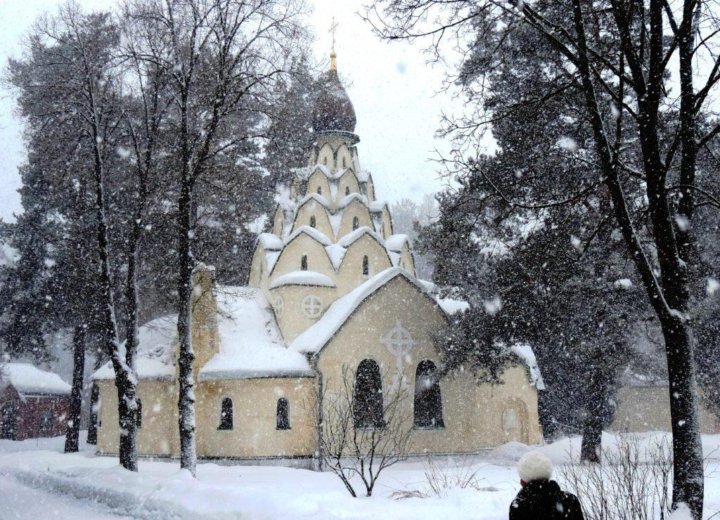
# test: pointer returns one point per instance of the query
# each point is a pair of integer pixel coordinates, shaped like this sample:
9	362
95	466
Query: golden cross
333	28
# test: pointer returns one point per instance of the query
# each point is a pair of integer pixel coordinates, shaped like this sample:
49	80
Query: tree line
148	131
607	141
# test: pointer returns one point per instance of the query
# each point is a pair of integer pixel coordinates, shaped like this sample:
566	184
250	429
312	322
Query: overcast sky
391	86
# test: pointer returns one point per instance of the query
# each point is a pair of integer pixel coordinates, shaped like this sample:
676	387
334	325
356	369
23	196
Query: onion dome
333	110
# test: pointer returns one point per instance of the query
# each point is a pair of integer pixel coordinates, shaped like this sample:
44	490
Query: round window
312	306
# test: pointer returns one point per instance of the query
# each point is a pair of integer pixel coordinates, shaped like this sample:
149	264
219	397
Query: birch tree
220	57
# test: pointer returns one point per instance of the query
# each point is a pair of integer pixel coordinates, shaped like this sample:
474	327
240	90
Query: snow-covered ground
42	482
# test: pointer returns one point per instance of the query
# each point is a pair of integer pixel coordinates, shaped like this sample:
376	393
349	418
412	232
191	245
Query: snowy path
20	502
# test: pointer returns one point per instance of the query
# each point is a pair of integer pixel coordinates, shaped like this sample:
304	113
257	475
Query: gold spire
333	55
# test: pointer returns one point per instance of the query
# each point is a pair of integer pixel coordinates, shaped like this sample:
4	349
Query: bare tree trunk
670	296
72	436
94	406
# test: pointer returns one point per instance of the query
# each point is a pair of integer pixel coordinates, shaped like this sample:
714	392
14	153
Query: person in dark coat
541	498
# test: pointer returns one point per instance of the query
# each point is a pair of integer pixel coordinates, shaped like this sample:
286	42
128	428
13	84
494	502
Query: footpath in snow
86	483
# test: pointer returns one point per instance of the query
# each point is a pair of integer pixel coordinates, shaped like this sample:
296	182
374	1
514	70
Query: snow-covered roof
250	343
336	252
527	356
452	306
28	379
377	206
351	237
314	338
311	232
156	351
396	242
270	242
302	278
348	199
429	286
271	258
314	197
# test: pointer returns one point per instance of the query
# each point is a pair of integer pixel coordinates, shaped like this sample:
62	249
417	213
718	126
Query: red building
33	402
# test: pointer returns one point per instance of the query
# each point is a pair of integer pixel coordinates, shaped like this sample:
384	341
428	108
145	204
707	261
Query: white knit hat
534	466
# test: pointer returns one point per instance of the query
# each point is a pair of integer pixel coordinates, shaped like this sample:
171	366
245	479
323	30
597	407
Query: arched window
138	413
303	263
428	401
226	414
325	160
368	396
312	221
319	190
344	165
282	414
366	266
356	223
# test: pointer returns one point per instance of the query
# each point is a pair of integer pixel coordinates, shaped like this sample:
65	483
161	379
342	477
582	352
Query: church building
332	291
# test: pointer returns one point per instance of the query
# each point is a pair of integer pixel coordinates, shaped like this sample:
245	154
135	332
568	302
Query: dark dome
333	109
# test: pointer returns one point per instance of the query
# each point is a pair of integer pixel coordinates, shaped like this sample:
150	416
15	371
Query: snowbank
159	491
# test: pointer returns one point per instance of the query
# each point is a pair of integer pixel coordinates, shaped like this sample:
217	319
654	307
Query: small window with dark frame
312	221
347	190
365	266
356	223
226	414
303	263
138	413
319	190
282	414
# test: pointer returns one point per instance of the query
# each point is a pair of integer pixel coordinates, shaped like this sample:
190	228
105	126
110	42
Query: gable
303	244
391	289
398	309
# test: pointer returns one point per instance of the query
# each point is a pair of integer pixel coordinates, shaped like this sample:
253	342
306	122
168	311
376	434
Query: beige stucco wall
290	258
278	221
318	180
370	189
350	273
159	432
352	210
407	261
472	413
347	181
387	226
254	432
326	156
312	208
292	320
647	408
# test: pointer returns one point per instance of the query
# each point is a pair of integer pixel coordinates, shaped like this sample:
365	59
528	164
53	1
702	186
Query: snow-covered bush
355	452
634	482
